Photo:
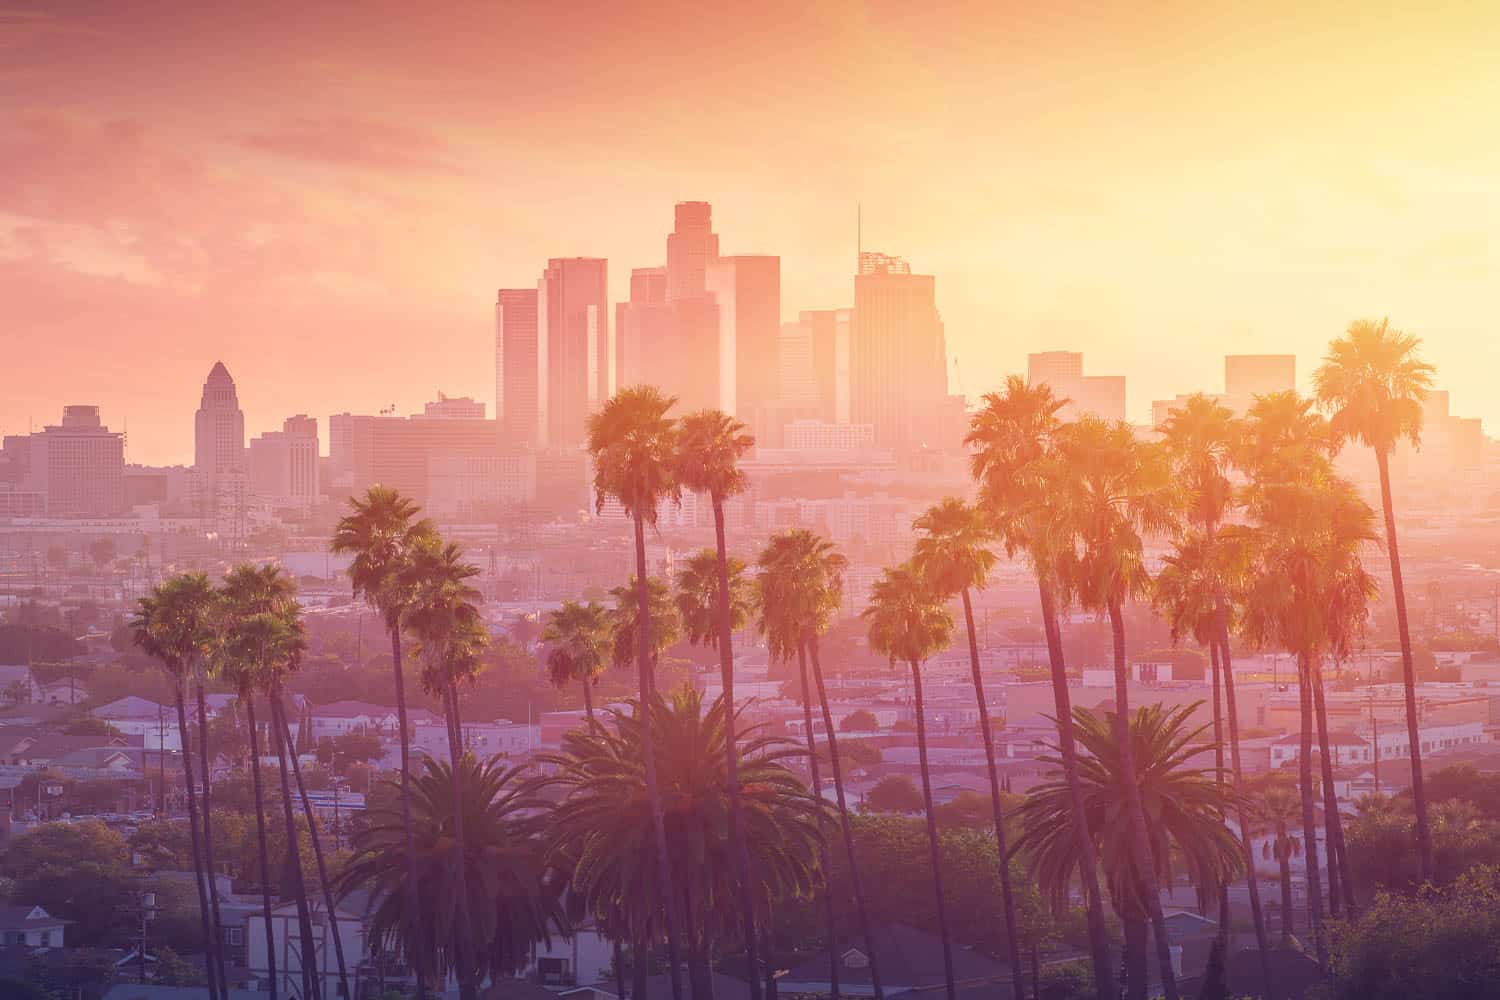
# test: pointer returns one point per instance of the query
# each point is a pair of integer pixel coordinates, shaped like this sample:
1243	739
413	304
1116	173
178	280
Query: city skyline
339	258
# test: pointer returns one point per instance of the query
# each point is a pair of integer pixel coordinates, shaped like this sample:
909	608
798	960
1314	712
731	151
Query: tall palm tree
602	830
1278	809
1014	441
710	446
1309	594
442	616
1115	491
952	552
577	637
174	625
798	591
1187	805
634	446
1374	383
908	624
380	532
511	902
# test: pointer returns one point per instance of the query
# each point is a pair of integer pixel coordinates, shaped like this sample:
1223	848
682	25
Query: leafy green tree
633	443
1374	383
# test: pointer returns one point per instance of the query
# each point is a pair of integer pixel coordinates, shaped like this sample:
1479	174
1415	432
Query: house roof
19	916
908	958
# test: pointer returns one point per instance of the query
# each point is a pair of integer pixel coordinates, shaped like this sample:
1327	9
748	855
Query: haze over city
328	203
622	501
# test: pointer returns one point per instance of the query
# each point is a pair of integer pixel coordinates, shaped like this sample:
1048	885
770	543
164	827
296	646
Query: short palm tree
1278	809
633	442
1374	382
710	446
174	625
1187	806
577	637
798	591
1115	492
1014	441
602	830
908	624
442	616
380	532
510	902
952	552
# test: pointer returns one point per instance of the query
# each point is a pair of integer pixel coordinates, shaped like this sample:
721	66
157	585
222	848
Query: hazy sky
326	196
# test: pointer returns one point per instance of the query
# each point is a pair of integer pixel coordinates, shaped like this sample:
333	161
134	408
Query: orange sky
326	196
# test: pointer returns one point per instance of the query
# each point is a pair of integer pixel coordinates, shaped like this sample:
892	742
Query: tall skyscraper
747	290
691	247
520	370
219	434
77	467
573	315
1250	375
898	377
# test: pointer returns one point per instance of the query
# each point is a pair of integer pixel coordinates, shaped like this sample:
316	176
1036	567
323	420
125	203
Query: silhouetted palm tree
908	624
952	552
1187	806
380	532
578	644
1113	492
634	447
1374	383
174	625
1014	440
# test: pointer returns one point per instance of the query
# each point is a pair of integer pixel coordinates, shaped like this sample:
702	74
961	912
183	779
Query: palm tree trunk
1408	670
412	885
856	880
214	983
1247	842
732	755
823	861
312	985
278	709
1340	875
648	749
1288	910
260	830
1309	823
934	855
216	928
1137	955
1088	864
1011	941
468	985
1145	863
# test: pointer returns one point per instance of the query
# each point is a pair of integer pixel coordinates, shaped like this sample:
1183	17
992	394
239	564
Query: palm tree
908	624
1309	594
634	446
798	590
1374	383
577	637
952	552
442	616
173	624
602	829
1188	809
1114	491
1014	439
380	532
710	446
510	902
1278	808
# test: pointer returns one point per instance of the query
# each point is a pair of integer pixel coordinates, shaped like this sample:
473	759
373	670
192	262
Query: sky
326	196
